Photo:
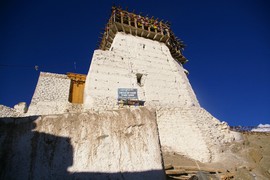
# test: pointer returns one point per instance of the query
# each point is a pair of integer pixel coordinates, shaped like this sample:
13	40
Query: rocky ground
248	159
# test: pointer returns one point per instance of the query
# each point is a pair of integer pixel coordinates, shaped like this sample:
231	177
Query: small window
139	79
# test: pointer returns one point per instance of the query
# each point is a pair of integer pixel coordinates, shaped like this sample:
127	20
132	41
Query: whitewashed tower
143	54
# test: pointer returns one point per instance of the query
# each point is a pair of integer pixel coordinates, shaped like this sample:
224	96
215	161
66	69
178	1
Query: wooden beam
114	24
135	23
161	37
148	34
129	21
195	168
111	38
123	28
155	36
122	20
130	30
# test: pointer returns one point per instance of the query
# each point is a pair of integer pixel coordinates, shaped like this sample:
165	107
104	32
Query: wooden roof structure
137	25
76	77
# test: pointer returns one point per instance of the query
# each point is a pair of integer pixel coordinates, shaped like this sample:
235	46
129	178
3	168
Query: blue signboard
127	93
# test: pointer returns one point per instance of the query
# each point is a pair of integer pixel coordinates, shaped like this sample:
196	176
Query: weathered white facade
193	132
121	144
100	139
184	127
163	82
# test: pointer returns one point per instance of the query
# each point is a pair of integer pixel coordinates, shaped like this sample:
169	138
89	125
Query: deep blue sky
228	48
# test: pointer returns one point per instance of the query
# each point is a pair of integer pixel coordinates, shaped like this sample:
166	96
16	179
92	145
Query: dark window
139	79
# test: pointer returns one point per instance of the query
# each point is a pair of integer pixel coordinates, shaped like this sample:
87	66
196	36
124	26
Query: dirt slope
248	159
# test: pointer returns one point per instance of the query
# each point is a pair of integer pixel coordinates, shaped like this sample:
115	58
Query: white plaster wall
184	127
164	82
179	133
51	94
193	132
121	144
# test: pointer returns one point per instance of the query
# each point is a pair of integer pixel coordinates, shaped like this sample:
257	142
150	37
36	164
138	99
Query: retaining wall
121	144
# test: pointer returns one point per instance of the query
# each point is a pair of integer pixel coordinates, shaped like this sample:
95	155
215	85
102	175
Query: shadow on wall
28	154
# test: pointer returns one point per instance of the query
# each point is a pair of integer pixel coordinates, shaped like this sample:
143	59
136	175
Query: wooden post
161	28
135	23
129	23
122	20
168	33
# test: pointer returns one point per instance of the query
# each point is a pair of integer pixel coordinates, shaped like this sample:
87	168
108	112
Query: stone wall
193	132
121	144
184	127
8	112
163	82
51	94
